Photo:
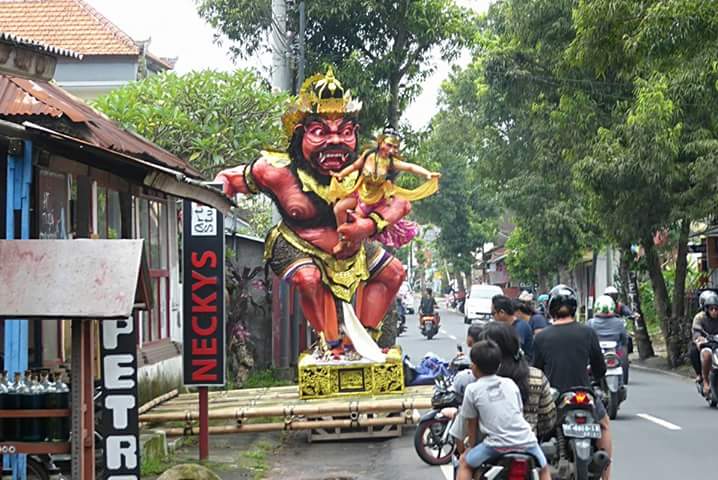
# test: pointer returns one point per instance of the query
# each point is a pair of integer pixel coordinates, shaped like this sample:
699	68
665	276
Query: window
53	203
109	219
152	226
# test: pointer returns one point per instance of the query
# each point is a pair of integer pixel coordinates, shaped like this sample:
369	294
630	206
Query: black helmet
562	296
709	300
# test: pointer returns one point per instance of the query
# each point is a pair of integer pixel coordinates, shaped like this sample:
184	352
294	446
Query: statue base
341	378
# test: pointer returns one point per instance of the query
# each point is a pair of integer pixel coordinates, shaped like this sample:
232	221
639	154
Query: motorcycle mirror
460	348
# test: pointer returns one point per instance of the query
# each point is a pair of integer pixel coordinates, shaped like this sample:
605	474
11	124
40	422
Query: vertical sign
120	418
203	277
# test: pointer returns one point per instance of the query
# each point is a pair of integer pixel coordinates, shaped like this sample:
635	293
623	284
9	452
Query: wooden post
203	424
83	408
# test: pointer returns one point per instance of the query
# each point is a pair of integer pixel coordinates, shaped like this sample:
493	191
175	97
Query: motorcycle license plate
575	430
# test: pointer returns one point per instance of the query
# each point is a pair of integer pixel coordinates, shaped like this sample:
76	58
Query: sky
176	30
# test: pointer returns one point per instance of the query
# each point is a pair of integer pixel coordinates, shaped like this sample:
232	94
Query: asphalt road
664	430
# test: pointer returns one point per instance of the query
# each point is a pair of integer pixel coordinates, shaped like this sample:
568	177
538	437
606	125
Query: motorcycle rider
428	306
493	404
620	309
502	309
606	324
609	327
564	349
704	323
525	310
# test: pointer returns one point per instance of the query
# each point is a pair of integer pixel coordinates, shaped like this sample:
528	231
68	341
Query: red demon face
329	144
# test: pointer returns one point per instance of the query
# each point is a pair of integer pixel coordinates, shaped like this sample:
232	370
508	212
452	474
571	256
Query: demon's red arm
234	180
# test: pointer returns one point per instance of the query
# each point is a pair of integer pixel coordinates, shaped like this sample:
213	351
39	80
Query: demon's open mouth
333	159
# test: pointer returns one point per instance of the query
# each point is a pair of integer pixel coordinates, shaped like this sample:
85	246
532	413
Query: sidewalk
660	364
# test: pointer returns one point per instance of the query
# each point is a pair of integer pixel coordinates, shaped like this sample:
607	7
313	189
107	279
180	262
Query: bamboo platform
280	408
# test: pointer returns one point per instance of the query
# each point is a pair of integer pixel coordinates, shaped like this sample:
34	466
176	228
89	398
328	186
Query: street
664	430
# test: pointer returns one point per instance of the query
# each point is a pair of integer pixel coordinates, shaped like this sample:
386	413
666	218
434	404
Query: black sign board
203	285
120	418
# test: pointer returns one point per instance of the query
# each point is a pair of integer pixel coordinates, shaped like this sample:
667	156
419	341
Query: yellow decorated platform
336	378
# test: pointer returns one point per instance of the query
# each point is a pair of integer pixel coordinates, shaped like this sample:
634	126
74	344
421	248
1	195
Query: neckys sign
203	325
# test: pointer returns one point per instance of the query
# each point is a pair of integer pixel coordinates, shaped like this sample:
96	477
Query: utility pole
281	73
301	50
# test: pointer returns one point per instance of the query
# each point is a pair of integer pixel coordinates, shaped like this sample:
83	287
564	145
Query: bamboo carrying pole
408	419
157	401
380	406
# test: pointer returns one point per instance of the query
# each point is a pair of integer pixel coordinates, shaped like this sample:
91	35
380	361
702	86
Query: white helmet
604	305
610	290
526	297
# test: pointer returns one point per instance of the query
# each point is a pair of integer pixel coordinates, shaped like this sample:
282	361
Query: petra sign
120	427
203	324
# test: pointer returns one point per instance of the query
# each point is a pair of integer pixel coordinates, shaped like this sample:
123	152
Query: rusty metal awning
63	279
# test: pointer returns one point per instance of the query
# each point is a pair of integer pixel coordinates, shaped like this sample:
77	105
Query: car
406	294
477	308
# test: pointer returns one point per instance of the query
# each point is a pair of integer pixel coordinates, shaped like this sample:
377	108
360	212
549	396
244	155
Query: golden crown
320	95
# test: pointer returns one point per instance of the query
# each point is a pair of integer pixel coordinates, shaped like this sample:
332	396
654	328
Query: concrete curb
638	366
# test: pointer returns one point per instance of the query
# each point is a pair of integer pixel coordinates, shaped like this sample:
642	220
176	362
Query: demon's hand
352	233
233	181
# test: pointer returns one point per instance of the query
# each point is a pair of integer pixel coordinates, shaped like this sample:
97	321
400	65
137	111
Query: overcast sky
177	31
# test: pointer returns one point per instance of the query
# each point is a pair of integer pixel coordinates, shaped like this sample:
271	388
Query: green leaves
214	120
381	50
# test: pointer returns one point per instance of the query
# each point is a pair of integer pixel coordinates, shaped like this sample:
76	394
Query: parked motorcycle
612	389
712	397
572	454
429	324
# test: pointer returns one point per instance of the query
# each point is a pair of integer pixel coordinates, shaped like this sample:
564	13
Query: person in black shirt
428	304
502	308
564	349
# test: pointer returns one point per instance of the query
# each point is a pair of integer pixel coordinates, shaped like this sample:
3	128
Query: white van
478	303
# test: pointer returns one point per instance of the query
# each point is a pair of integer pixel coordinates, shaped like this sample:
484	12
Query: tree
382	50
464	209
657	155
521	139
214	120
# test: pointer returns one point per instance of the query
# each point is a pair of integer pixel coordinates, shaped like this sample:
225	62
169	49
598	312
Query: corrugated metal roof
40	46
21	97
15	101
71	24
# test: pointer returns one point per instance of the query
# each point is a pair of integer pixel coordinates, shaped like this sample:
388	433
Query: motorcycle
401	313
432	441
572	454
611	388
429	324
712	397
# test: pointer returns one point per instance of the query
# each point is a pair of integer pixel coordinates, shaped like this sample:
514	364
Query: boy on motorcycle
459	384
496	403
564	349
705	323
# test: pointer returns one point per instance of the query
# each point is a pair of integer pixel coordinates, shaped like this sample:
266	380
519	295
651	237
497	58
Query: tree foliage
215	120
212	119
382	50
464	208
594	122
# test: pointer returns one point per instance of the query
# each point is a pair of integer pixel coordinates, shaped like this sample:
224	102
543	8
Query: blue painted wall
19	180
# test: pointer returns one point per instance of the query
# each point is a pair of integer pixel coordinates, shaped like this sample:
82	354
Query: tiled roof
38	46
69	24
27	98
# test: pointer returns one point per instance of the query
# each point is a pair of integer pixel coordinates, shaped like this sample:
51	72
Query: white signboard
204	221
